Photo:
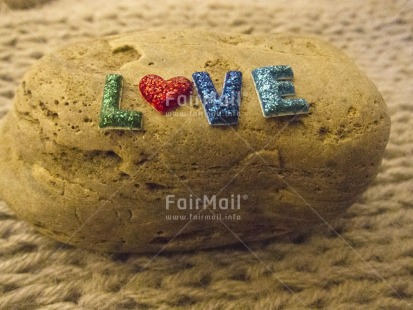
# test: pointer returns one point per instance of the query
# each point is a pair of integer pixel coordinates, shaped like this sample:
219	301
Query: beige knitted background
367	263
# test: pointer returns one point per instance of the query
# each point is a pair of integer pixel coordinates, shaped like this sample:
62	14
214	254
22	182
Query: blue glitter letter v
111	116
224	109
272	85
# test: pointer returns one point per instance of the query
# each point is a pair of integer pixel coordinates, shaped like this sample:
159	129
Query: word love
273	84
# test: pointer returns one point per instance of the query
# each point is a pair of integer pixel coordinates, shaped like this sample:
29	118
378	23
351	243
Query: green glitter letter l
111	116
273	84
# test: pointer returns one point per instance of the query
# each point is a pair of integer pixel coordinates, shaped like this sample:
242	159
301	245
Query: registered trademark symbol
245	197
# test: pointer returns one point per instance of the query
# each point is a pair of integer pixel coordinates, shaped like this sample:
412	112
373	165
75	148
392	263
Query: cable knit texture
365	262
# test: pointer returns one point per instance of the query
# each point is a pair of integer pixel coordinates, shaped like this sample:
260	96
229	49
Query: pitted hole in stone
101	156
154	186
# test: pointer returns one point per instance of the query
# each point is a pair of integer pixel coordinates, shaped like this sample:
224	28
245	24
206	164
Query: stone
107	190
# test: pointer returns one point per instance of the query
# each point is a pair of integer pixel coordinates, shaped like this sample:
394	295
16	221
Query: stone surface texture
107	189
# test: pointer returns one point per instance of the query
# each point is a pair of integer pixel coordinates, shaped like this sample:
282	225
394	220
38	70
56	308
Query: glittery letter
272	85
224	109
163	95
111	116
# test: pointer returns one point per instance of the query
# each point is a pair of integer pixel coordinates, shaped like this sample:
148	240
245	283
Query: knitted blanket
363	261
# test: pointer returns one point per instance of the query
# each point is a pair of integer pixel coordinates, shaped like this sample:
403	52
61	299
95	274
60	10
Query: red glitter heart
163	95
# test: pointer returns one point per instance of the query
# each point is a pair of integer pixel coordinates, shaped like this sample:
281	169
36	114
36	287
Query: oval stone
147	190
